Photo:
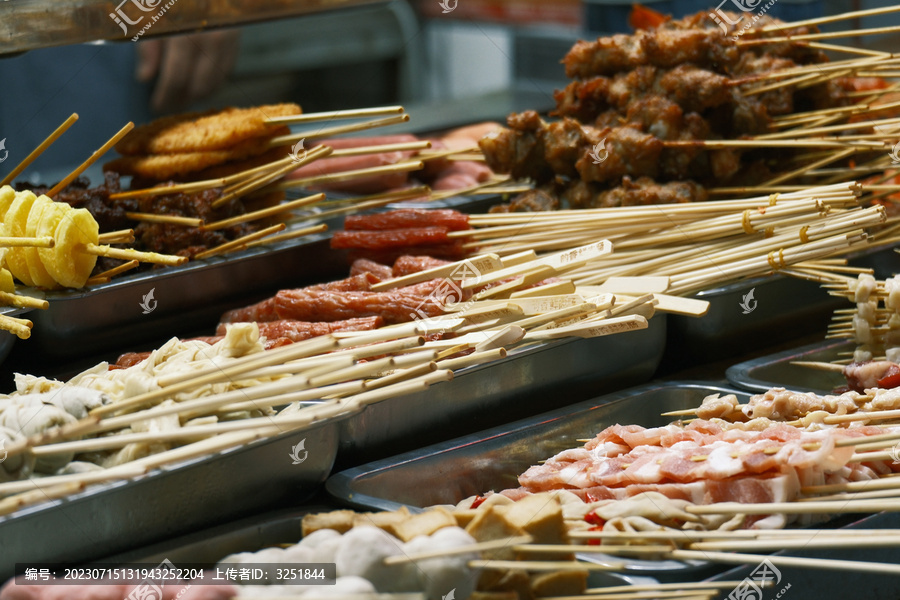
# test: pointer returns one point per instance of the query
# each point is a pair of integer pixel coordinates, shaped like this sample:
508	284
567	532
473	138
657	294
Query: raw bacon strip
364	265
407	264
393	238
396	306
297	331
406	218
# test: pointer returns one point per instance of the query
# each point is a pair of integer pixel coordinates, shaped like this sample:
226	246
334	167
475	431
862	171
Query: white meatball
440	575
269	556
327	550
343	586
362	552
316	538
236	559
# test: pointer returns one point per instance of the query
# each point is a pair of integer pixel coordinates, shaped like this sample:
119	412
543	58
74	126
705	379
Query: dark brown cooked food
682	80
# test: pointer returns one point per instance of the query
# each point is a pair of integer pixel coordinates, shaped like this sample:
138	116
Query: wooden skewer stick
289	235
856	14
278	171
479	547
105	276
240	242
336	114
20	327
771	545
130	254
652	587
819	366
548	565
40	149
264	212
398	147
822	35
122	236
91	160
178	188
412	165
21	242
787	561
168	219
23	301
796	508
293	138
768	143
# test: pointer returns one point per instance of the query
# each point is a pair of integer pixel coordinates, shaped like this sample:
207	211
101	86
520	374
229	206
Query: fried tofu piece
559	583
424	523
388	520
515	581
339	520
541	517
492	524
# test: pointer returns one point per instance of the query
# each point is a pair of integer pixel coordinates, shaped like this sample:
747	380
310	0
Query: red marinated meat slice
407	264
364	265
406	218
392	238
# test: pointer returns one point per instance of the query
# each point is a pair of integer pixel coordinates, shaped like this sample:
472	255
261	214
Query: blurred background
479	61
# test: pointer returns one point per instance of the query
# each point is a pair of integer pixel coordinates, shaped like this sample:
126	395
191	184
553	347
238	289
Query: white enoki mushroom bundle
864	319
892	303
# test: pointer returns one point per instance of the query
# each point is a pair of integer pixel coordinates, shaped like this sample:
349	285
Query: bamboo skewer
91	160
167	219
290	139
335	114
787	561
129	254
240	242
178	188
10	177
264	212
289	235
23	301
105	276
122	236
27	242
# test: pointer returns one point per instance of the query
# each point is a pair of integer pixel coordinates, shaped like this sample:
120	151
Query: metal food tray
786	308
528	381
493	459
7	339
173	500
194	295
776	370
255	533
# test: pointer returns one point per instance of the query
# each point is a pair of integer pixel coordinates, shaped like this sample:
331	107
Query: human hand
186	67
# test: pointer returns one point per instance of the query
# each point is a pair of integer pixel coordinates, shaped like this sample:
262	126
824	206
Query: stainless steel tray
193	296
786	308
526	382
493	459
174	500
776	370
263	531
7	339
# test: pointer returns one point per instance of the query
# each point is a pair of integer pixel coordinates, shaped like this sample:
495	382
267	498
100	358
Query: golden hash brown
160	167
203	132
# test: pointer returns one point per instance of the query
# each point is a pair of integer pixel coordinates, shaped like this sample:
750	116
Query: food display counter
640	340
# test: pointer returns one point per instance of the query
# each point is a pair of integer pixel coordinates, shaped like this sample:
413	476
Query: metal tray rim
338	484
739	375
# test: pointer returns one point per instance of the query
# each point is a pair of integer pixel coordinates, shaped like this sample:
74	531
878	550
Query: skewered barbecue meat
364	265
409	264
693	89
380	240
296	331
640	191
